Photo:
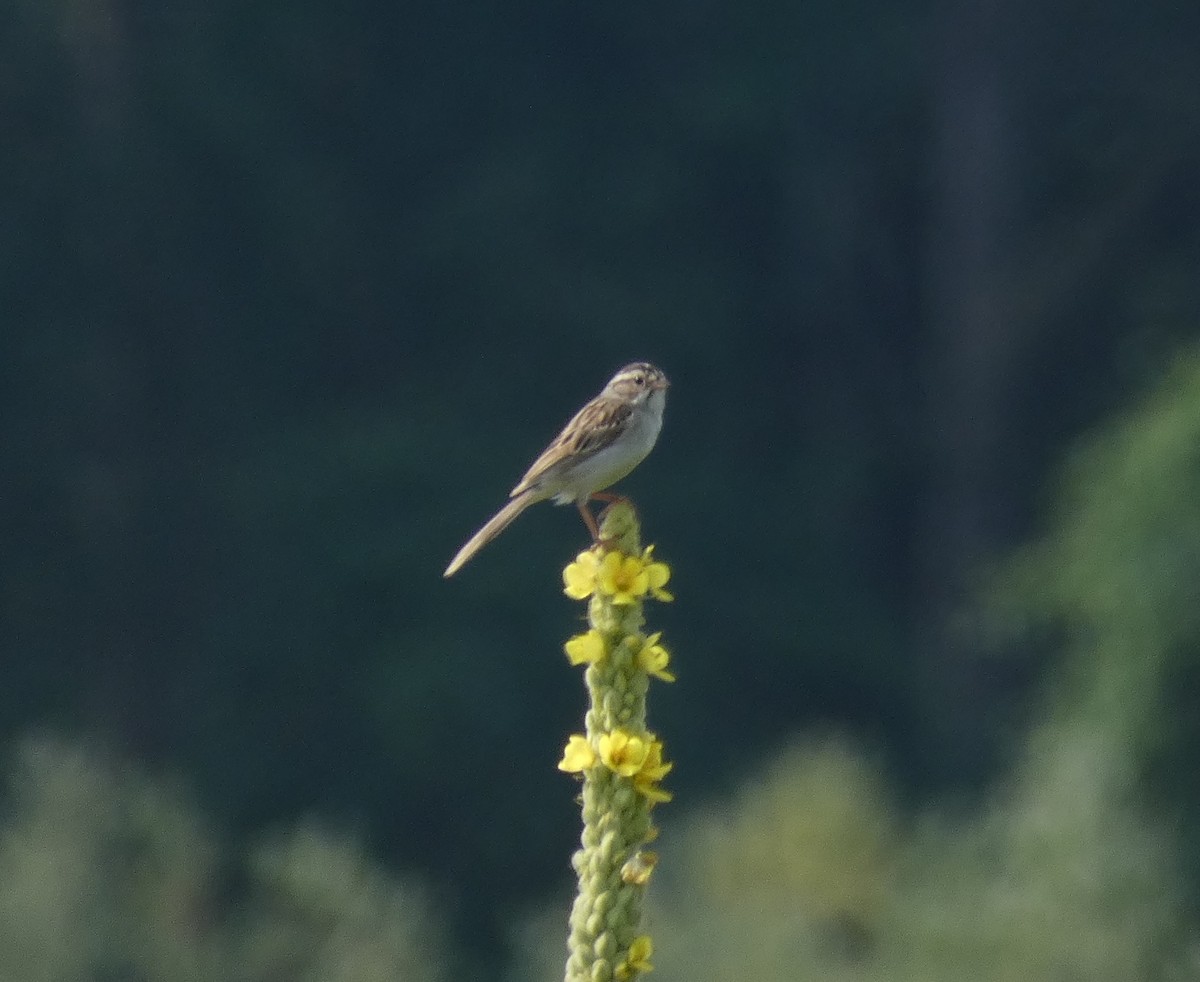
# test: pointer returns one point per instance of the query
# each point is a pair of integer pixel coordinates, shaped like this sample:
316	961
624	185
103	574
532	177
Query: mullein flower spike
619	759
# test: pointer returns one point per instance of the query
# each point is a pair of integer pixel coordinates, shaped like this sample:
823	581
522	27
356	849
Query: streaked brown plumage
601	444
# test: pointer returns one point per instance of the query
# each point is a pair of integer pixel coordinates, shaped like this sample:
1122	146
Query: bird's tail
495	525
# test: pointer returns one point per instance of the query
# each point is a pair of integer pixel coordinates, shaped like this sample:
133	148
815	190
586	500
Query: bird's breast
606	468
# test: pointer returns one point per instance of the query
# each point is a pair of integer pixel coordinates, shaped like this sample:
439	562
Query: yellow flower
579	578
653	767
637	868
623	752
622	577
657	575
586	649
652	770
638	959
578	755
652	792
653	658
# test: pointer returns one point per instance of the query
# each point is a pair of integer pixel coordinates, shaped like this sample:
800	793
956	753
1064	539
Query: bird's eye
639	380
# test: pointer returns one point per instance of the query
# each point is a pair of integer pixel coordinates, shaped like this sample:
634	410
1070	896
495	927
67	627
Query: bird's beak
663	383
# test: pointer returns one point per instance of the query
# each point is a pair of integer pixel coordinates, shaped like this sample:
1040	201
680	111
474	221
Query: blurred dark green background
291	293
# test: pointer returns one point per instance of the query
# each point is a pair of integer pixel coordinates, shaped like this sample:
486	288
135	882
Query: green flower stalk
620	760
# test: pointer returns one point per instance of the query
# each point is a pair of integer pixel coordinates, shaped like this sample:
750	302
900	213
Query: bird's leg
586	514
593	526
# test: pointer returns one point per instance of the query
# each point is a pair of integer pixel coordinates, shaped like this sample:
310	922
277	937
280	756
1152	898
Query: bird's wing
592	429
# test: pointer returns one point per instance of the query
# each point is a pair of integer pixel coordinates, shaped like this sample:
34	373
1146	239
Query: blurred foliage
812	871
1117	569
809	872
833	866
1113	583
107	874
